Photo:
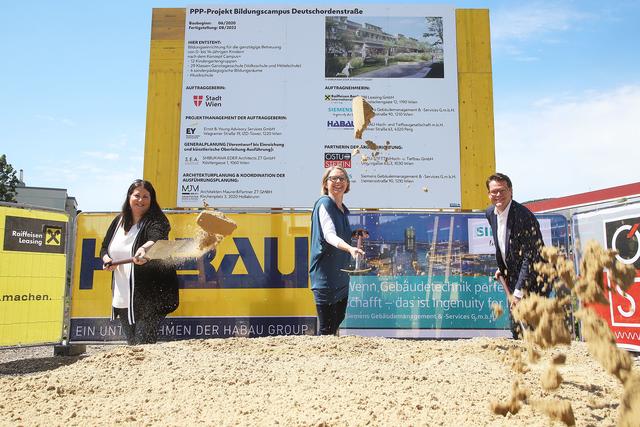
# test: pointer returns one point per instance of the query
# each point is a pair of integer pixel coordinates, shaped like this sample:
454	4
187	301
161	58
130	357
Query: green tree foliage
434	30
8	181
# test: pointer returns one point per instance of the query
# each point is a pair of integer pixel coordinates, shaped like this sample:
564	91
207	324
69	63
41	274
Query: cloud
533	20
513	29
97	179
568	144
56	120
121	141
104	155
106	193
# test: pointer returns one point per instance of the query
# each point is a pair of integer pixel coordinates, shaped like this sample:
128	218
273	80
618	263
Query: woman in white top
144	292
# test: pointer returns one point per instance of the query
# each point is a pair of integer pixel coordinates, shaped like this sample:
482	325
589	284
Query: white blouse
121	247
328	228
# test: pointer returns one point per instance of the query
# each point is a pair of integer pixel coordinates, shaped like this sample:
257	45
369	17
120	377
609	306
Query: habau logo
262	267
339	123
197	100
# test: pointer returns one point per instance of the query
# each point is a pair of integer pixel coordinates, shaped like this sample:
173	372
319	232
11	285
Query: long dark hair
154	207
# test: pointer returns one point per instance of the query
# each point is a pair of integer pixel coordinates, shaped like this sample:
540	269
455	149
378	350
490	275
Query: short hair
325	177
499	177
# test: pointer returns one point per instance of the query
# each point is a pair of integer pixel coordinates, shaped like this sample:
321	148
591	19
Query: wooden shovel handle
503	282
122	261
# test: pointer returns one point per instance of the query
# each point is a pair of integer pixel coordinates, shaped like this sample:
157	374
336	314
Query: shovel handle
119	262
503	282
122	261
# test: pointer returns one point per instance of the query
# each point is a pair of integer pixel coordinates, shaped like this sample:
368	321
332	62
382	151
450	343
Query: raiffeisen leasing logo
342	124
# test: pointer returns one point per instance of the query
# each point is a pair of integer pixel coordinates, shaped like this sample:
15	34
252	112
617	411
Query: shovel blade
165	249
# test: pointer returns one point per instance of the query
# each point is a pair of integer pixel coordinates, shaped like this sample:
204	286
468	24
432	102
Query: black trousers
144	331
516	329
330	316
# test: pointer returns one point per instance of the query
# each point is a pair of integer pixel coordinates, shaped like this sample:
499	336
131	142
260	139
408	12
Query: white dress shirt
502	239
502	230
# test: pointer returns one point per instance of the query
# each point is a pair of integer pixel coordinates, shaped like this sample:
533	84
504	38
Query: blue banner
414	302
179	328
431	275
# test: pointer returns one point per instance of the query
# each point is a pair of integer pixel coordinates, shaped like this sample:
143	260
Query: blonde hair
325	177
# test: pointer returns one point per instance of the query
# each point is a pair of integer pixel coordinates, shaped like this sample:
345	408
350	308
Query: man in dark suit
518	241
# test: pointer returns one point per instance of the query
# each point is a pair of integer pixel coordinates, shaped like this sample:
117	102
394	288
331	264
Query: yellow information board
255	284
32	275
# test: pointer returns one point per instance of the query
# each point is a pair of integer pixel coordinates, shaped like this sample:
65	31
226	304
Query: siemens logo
339	123
483	232
339	109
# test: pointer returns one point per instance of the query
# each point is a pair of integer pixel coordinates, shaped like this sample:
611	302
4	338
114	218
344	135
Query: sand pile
305	381
545	327
329	381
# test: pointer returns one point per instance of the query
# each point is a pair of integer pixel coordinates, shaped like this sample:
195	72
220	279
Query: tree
8	181
434	30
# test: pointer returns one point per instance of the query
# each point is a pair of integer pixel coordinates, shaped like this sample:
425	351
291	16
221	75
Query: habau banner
421	282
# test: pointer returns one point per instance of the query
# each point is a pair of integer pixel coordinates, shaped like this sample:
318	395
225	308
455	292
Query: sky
566	84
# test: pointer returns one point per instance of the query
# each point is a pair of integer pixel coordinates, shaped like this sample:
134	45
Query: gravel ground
299	381
26	360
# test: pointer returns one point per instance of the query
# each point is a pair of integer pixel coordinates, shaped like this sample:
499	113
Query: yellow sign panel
260	272
32	275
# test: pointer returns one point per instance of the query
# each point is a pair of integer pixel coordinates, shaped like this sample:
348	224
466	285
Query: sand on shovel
214	226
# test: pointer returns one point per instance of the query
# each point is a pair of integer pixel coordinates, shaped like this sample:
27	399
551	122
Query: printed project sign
622	235
34	235
32	275
417	302
618	229
481	238
425	279
254	284
267	95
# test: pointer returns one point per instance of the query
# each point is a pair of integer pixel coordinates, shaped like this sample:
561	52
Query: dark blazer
523	245
156	282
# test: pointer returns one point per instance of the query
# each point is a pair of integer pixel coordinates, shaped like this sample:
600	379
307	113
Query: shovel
503	282
211	222
163	249
361	266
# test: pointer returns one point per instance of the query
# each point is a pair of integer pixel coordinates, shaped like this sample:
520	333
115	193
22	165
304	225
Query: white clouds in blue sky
565	77
535	20
571	143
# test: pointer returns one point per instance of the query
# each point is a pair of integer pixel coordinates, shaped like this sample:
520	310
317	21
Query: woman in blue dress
330	252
